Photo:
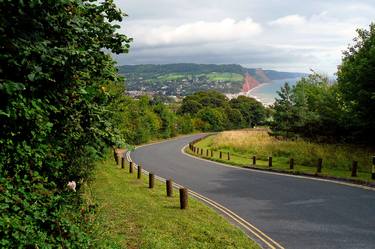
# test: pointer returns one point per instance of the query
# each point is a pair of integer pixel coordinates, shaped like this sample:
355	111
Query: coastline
258	86
250	94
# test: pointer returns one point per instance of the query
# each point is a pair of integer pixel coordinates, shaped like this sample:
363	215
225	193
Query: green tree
56	115
253	112
283	119
168	121
235	118
356	82
189	106
214	117
316	108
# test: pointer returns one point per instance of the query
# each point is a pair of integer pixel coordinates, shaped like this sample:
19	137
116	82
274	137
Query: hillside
187	78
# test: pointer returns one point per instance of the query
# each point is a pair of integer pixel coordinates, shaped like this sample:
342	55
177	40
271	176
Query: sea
267	92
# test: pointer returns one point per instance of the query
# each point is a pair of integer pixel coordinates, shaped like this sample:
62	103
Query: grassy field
231	77
129	215
228	77
244	144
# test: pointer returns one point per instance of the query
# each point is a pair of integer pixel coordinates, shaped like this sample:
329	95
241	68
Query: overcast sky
292	35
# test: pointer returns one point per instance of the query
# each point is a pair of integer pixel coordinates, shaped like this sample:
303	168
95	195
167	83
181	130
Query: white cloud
225	30
291	20
284	35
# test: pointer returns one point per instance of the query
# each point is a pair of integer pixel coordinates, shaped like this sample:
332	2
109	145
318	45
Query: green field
130	215
225	77
243	145
230	77
173	76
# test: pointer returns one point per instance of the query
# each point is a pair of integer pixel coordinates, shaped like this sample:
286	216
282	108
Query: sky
286	35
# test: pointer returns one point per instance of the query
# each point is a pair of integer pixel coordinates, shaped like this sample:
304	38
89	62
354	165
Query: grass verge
130	215
244	144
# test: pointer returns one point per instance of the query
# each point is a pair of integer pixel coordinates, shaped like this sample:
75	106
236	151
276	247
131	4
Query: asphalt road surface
295	212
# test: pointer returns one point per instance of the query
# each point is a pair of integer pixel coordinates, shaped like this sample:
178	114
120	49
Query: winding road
296	212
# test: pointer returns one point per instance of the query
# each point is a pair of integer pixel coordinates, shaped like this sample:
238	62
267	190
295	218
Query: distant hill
186	78
187	68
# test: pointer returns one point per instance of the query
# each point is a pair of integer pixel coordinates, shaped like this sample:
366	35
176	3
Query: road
295	212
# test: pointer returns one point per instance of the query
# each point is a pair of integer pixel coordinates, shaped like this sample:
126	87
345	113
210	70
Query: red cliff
249	83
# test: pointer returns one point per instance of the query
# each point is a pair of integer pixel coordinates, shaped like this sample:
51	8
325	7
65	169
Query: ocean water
268	92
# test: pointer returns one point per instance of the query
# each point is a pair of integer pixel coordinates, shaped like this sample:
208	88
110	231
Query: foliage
253	112
318	109
56	116
217	113
356	83
215	118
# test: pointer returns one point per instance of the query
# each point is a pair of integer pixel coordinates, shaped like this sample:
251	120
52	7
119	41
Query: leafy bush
56	114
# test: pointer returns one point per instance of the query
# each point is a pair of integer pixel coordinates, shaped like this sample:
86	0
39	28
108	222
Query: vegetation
339	111
244	144
356	87
62	105
212	111
56	115
187	78
133	216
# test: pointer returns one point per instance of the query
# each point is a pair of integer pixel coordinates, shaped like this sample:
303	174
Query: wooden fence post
254	160
169	187
151	180
270	161
320	164
354	168
139	171
206	152
115	155
291	163
183	198
212	153
221	155
373	168
201	152
228	156
122	162
131	167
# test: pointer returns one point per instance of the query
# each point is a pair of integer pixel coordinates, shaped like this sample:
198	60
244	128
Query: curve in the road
298	213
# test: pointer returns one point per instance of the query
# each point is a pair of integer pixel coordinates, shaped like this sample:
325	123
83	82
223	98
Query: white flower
72	185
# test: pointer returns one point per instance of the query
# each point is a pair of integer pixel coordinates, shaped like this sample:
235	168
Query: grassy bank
129	215
244	144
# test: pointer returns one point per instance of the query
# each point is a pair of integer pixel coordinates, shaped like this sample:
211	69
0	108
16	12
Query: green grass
225	77
240	155
173	76
130	215
229	77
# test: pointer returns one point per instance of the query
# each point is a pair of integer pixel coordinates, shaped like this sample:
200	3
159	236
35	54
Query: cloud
225	30
284	35
291	20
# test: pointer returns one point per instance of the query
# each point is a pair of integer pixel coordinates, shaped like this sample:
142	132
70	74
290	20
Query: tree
215	117
56	112
253	112
284	114
235	118
189	106
356	83
192	103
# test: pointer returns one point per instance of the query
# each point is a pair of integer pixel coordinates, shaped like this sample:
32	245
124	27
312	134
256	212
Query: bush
56	116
